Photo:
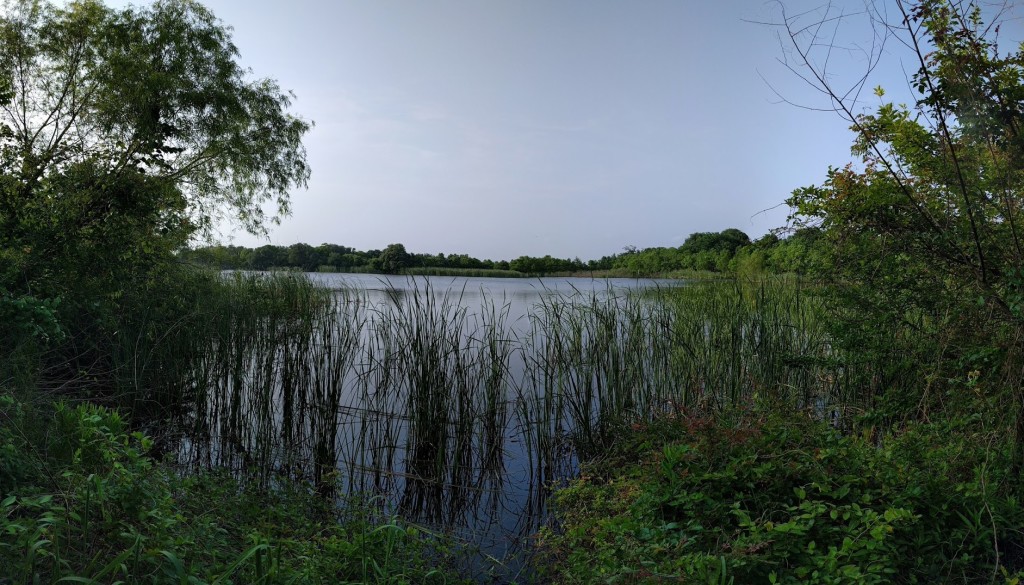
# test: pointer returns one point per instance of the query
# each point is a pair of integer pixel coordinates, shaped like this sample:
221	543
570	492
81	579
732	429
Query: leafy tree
264	257
728	240
303	257
393	259
124	132
926	231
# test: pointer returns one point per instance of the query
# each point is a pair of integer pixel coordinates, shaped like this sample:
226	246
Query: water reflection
447	398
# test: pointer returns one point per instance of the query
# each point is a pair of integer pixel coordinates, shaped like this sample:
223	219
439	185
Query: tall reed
599	360
437	374
421	398
269	382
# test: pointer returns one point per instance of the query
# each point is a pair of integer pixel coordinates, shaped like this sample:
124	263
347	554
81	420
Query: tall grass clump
269	380
742	339
592	360
432	389
597	361
238	370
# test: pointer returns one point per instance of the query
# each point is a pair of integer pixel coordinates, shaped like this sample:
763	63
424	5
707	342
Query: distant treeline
730	250
727	251
390	260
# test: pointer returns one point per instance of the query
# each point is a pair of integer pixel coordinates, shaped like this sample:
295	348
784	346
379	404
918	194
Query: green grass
280	381
599	361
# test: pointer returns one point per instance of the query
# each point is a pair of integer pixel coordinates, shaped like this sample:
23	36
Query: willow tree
926	227
123	134
127	131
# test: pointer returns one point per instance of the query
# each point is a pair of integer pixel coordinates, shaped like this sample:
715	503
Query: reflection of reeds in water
417	399
407	396
600	360
272	377
438	374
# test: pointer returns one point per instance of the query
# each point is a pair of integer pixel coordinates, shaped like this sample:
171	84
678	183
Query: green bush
83	502
750	497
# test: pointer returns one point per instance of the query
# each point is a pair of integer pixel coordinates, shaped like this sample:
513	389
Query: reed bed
762	339
432	383
270	380
597	361
417	398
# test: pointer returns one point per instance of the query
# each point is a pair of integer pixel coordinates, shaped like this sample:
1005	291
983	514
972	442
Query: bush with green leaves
752	497
82	502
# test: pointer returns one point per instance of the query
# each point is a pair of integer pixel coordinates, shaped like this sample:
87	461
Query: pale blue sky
567	127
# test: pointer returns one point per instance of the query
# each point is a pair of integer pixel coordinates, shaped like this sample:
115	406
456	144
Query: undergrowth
81	501
754	496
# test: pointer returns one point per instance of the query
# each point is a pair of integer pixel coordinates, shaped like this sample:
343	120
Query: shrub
93	507
751	497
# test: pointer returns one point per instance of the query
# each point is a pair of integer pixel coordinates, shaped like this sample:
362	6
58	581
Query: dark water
496	506
455	434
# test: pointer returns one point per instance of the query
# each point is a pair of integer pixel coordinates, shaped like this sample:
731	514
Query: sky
501	128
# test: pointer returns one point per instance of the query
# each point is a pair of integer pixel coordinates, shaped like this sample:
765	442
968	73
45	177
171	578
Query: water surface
442	397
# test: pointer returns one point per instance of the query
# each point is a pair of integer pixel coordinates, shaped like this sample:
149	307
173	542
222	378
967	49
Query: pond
455	402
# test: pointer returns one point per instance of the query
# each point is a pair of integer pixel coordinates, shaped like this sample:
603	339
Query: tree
303	257
266	256
124	132
393	259
926	230
728	240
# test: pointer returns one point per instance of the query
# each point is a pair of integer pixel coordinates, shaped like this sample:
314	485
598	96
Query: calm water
505	505
452	435
519	294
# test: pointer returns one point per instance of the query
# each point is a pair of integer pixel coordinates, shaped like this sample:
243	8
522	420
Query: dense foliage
925	230
729	251
752	496
84	502
123	132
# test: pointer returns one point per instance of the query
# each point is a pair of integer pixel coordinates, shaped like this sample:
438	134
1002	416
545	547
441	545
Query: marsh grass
760	339
266	374
432	384
274	377
420	399
599	361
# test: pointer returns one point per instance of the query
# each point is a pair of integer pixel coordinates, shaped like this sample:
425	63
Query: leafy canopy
151	100
924	233
938	189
